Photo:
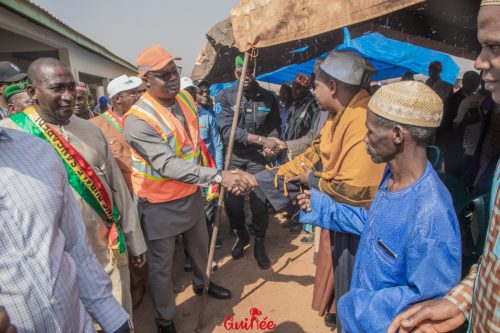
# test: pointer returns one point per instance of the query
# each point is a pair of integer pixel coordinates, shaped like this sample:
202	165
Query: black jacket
258	115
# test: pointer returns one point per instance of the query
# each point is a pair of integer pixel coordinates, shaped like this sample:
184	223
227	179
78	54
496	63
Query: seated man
410	241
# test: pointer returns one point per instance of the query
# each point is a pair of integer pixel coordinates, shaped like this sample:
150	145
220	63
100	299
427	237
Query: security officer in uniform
259	119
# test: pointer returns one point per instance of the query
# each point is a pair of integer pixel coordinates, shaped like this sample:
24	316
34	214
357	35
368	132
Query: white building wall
88	62
77	57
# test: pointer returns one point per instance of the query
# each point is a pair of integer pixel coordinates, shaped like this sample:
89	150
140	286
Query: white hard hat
123	83
187	82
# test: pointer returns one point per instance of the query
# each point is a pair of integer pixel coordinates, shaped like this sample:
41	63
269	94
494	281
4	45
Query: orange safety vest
147	182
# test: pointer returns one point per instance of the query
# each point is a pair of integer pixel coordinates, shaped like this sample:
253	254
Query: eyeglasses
166	75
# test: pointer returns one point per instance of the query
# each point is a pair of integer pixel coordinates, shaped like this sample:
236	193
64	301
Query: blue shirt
409	249
209	132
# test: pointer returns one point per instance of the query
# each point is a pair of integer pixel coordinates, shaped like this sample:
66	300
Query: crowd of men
91	196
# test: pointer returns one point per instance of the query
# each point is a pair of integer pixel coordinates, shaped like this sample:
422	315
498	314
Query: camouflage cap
15	88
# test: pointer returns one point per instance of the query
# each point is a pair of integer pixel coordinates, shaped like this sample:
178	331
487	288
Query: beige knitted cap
490	3
408	102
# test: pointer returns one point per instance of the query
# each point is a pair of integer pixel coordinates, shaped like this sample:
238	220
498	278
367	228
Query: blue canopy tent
391	59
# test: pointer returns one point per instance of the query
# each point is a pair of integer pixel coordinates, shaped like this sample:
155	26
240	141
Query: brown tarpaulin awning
262	23
215	61
443	25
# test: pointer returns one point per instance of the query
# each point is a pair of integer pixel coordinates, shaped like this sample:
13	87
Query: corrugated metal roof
42	17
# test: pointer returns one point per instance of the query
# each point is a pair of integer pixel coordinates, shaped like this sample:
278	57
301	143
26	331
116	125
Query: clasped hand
139	261
272	147
238	182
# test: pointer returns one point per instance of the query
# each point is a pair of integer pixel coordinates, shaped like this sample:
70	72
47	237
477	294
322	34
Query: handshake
272	147
238	182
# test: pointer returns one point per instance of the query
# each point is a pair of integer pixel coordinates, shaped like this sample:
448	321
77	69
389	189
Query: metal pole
220	203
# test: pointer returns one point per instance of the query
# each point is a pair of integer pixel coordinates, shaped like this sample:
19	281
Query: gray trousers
160	267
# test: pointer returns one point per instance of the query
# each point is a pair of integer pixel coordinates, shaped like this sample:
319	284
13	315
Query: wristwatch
218	177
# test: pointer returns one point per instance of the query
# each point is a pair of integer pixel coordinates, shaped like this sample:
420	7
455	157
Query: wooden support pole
220	203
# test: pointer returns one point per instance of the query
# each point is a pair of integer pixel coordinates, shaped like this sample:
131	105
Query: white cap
123	83
187	82
347	66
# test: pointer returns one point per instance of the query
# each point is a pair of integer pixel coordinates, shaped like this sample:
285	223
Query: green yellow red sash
208	161
113	119
81	176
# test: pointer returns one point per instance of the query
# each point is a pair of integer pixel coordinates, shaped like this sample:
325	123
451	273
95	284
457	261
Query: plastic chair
458	190
474	214
434	156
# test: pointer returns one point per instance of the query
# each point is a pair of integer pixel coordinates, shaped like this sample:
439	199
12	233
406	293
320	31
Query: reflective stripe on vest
148	111
147	182
187	100
146	170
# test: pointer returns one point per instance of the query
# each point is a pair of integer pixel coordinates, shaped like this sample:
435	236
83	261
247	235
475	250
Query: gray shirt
177	214
297	146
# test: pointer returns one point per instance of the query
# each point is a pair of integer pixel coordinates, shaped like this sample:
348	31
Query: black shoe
242	240
307	239
260	254
167	329
330	319
214	291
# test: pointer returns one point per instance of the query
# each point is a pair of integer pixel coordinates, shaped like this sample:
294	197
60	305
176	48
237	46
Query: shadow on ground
250	286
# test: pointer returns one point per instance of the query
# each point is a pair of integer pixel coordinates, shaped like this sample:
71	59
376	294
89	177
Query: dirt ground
282	293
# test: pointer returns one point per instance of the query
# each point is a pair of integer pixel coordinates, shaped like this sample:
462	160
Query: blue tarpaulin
302	49
391	59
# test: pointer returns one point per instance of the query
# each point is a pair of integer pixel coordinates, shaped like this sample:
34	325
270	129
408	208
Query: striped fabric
50	280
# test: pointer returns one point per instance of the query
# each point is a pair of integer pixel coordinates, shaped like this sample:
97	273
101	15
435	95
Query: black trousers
345	247
251	163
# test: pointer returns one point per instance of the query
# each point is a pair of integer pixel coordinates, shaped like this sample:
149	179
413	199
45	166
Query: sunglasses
166	75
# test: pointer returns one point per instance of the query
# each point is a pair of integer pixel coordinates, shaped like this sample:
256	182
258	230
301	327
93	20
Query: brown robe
323	294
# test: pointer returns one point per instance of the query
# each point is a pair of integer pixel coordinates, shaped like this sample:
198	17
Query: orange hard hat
153	58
